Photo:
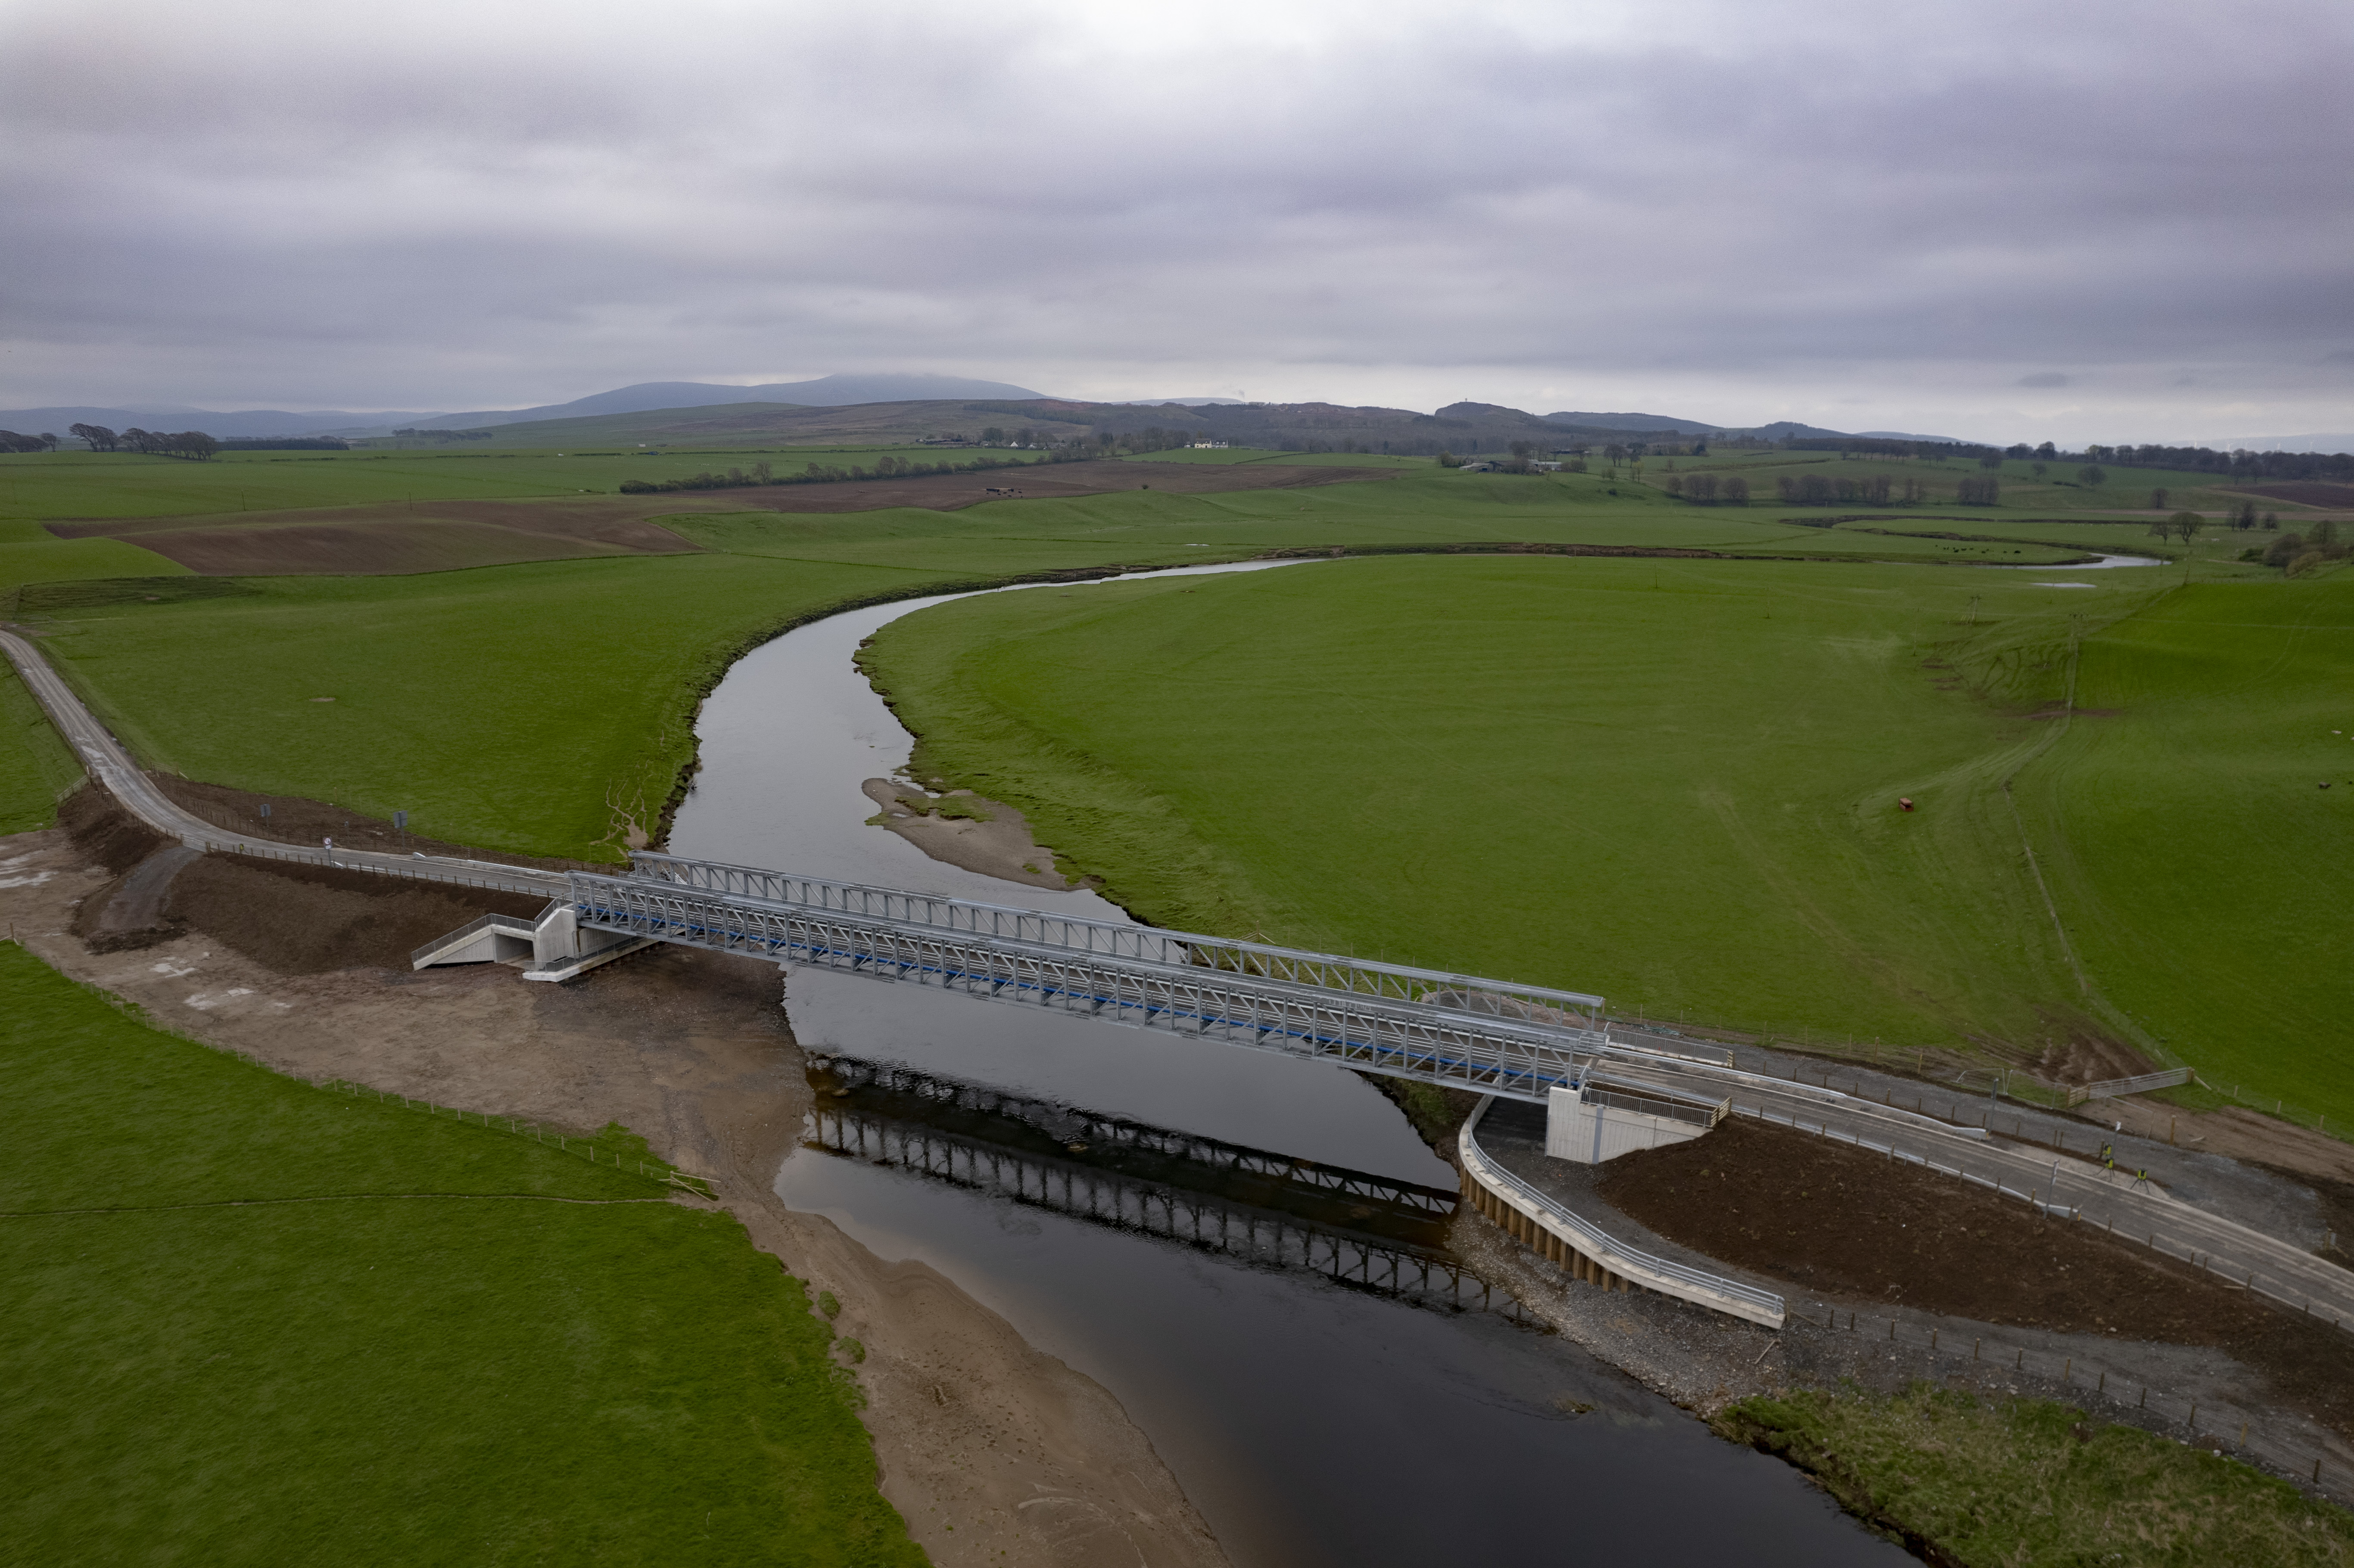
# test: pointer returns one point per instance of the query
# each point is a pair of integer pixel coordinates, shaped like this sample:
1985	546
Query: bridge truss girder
1371	1033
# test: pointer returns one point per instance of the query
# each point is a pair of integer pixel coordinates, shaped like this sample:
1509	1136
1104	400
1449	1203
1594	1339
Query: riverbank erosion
991	1450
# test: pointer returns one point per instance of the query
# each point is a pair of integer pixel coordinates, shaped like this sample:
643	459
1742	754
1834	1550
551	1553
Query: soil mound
1845	1223
103	830
307	920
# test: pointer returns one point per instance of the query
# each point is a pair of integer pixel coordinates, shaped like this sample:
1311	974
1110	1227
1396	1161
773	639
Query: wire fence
2304	1455
1984	1073
249	827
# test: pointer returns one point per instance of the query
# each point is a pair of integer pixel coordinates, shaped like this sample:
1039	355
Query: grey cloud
350	215
2043	378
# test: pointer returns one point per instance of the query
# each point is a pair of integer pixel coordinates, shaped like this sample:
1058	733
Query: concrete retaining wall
1587	1132
1587	1251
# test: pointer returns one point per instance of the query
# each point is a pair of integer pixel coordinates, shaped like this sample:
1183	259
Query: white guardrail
2114	1089
1589	1240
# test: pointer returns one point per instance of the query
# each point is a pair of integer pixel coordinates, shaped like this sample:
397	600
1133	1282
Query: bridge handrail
1659	1273
542	884
1085	933
613	902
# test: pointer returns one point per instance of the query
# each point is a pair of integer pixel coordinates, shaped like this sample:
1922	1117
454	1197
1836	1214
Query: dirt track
972	1427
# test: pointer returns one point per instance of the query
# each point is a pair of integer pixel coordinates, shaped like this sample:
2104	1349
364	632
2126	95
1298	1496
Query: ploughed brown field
2306	492
390	538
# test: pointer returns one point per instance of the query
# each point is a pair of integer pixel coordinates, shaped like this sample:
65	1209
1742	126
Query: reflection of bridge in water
1255	1206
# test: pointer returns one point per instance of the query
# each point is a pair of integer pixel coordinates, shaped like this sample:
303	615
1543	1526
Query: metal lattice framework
1128	1203
1488	1036
1097	1130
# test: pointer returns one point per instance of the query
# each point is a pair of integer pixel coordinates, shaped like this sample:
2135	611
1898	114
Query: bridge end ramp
492	939
1587	1251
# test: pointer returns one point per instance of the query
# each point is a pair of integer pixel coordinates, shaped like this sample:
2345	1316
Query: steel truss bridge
1266	1238
1491	1037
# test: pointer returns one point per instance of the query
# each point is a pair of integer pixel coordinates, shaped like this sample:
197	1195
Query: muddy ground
1028	1461
966	830
1846	1225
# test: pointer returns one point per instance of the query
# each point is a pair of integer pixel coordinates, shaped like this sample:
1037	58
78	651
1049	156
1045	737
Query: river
1312	1423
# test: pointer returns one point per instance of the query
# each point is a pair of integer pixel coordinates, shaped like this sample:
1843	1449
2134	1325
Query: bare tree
1735	490
2186	526
2157	500
2092	475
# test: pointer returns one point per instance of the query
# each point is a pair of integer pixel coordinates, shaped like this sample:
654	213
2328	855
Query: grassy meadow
63	485
249	1321
36	766
1667	778
1994	1484
1677	782
534	708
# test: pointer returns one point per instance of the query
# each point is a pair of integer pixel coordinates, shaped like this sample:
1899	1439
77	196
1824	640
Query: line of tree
1709	489
194	445
285	444
884	467
2238	464
10	441
1839	490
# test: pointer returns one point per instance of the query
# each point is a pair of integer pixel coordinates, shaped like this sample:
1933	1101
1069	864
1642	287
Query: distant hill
1467	428
1635	422
1910	436
2339	442
247	422
913	405
824	392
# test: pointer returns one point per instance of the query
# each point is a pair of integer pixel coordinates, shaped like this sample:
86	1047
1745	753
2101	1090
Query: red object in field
1906	801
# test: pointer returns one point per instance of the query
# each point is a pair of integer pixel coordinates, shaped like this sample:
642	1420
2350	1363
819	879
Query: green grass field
1676	783
1230	455
520	707
1729	865
248	1321
2032	1481
36	766
81	485
2200	864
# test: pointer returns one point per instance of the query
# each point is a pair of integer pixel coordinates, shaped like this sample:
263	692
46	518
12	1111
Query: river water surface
1313	1423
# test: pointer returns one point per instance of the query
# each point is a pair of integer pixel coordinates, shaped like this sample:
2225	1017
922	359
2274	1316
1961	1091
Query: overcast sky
2016	221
